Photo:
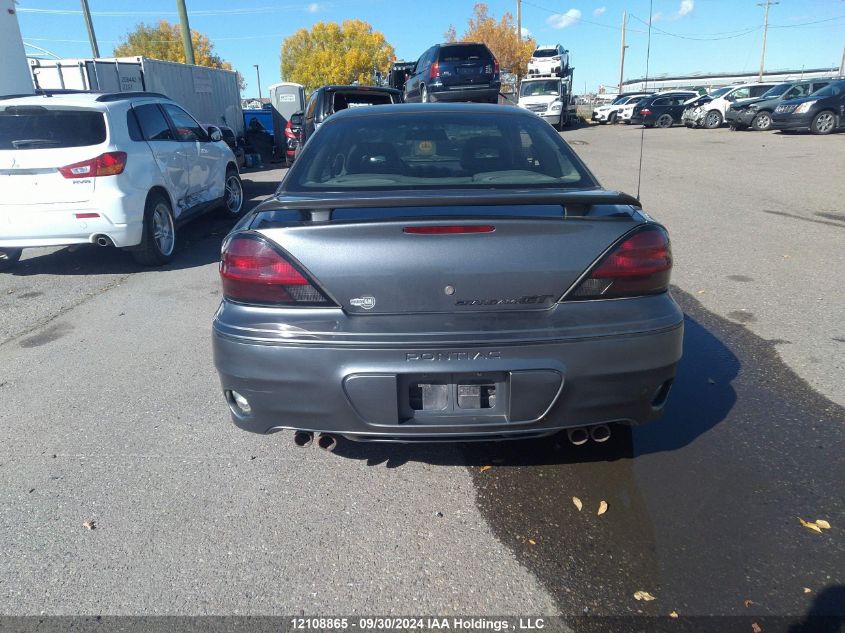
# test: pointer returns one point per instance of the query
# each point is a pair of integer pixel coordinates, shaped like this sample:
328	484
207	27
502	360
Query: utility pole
519	19
842	64
622	52
90	26
766	4
258	77
186	32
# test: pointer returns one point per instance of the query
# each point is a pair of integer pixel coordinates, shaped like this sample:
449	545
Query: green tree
164	41
512	51
332	53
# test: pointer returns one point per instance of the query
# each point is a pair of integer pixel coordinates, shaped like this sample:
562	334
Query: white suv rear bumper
26	226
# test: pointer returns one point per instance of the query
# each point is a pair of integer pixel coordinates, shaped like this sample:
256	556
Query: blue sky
688	35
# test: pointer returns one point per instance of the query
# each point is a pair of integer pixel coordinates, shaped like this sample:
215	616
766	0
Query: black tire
712	120
156	248
824	122
9	257
664	121
762	122
233	195
612	118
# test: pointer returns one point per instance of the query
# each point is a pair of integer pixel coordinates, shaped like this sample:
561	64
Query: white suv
551	60
714	111
122	170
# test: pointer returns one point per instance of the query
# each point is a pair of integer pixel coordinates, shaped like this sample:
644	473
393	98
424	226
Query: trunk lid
526	258
465	64
35	141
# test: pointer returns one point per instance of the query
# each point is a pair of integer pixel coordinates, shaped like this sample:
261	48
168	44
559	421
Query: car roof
334	88
412	108
80	98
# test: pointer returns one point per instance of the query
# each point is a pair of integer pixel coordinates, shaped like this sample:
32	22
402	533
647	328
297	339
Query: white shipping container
211	95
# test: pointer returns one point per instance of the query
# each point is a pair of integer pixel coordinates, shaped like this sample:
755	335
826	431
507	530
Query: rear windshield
464	53
538	88
545	52
434	150
36	127
358	99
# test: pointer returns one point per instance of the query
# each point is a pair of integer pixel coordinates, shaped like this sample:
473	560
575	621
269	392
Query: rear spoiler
574	203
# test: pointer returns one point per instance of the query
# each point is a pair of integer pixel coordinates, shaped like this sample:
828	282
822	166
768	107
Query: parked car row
122	169
817	105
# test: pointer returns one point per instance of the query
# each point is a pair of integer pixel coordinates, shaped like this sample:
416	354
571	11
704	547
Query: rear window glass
37	127
343	100
434	150
545	52
469	52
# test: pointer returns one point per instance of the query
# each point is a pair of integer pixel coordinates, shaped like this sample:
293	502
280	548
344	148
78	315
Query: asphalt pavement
111	415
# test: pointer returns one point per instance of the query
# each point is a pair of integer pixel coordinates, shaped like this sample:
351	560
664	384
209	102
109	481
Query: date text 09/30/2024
419	623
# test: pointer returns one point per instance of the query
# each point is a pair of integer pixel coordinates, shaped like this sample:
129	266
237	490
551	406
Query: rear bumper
468	93
361	390
28	226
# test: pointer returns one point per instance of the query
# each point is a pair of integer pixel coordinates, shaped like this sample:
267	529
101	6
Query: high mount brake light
449	229
252	271
108	164
638	265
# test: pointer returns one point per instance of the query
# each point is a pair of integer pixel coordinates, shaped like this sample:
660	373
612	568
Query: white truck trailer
211	95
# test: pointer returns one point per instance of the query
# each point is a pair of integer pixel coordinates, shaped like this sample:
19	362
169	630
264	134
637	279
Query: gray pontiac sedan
441	272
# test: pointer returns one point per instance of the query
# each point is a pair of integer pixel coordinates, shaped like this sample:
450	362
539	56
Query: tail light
289	131
495	66
638	265
645	111
108	164
252	271
434	71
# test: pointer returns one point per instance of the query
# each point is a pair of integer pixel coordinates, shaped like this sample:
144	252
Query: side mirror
296	118
214	133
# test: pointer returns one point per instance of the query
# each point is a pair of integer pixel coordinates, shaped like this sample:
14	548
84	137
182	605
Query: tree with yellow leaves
164	41
332	53
513	52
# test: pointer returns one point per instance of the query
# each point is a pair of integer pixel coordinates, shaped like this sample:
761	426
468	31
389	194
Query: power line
712	37
606	26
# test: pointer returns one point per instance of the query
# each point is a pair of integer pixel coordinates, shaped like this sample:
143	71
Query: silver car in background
445	272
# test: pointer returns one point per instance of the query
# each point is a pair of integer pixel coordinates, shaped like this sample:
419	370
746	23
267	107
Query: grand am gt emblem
366	302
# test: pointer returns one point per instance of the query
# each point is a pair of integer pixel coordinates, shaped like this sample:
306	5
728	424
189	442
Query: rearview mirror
214	133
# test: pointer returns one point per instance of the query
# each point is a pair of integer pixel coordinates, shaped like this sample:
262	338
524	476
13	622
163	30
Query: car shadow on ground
701	397
198	244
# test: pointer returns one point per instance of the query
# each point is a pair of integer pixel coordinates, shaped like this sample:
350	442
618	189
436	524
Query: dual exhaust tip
580	435
325	441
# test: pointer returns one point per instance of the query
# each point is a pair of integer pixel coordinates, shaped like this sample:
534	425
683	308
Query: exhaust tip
104	240
578	436
600	433
326	442
303	438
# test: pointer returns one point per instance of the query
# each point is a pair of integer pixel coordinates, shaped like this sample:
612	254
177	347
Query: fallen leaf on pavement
823	524
810	525
807	590
577	503
483	468
644	595
674	614
532	541
602	507
747	603
701	292
756	627
91	524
